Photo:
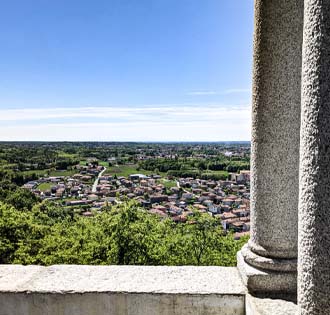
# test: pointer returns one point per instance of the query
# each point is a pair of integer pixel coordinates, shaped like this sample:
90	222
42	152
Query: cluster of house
196	151
227	200
77	185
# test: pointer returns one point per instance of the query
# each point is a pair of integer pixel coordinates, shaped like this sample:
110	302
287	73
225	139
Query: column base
266	275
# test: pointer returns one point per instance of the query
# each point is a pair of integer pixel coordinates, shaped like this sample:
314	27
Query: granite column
268	262
314	190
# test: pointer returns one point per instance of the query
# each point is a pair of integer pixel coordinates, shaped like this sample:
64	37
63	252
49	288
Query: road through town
97	179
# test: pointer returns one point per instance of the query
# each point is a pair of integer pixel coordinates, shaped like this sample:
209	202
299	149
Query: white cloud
203	93
160	113
224	92
233	91
162	123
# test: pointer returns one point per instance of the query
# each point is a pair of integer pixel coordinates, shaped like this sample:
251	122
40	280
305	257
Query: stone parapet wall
117	290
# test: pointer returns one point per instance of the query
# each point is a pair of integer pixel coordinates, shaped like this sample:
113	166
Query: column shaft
314	194
275	146
275	127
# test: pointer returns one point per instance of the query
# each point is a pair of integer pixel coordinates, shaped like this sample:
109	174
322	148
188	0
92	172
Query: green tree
22	199
14	229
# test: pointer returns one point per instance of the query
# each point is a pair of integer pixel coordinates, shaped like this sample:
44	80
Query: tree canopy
124	234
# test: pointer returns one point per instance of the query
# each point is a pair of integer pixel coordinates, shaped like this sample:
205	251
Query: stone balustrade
128	290
120	290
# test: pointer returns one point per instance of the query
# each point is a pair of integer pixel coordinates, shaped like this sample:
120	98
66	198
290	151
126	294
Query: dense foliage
220	163
125	234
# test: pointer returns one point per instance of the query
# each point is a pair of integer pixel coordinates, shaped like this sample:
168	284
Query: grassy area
220	174
104	163
45	186
123	170
168	183
126	170
51	173
38	172
67	155
8	165
63	172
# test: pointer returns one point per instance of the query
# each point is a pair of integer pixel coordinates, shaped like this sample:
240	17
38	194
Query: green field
126	170
38	172
66	155
45	186
223	174
104	163
63	172
168	183
8	165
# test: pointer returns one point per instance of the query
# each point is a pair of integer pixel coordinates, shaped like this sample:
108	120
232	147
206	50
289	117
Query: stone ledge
259	280
117	290
266	306
130	279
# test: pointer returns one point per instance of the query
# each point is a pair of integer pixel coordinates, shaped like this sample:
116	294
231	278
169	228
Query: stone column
314	194
268	262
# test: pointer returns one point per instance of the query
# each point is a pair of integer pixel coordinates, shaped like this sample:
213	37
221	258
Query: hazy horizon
125	70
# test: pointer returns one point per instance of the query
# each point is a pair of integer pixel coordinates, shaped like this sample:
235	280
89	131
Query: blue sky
140	70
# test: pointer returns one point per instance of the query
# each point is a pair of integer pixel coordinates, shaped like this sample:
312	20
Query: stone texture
120	304
267	306
261	280
117	290
137	279
275	142
275	127
274	264
314	198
